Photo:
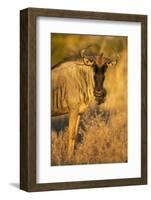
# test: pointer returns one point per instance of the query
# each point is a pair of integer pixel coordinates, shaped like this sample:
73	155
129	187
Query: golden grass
102	134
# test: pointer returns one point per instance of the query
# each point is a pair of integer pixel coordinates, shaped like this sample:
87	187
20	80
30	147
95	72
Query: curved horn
82	53
112	62
116	59
117	56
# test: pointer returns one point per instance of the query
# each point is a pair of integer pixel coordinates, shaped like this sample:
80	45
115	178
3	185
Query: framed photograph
83	99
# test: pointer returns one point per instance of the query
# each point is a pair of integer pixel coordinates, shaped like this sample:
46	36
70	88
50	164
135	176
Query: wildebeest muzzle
100	96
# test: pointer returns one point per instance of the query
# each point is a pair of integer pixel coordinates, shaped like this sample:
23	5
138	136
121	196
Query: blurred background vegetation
66	45
102	136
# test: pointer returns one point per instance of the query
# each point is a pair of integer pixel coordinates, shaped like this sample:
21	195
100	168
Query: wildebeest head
100	63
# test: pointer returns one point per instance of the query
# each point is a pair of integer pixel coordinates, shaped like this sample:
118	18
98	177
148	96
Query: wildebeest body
72	85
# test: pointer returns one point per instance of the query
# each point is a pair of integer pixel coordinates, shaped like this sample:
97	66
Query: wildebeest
74	85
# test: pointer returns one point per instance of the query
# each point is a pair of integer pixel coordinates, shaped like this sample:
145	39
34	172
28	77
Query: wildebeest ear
112	63
88	61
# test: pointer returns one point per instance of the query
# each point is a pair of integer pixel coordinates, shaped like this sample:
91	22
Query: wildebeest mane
66	59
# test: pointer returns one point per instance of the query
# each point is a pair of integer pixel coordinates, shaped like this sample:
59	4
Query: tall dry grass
102	135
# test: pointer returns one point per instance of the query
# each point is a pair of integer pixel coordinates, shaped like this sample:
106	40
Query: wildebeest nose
101	93
100	96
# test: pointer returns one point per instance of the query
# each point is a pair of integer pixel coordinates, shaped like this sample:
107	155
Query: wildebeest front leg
73	127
